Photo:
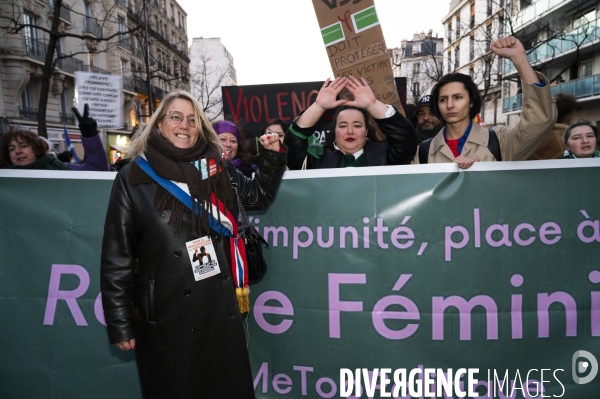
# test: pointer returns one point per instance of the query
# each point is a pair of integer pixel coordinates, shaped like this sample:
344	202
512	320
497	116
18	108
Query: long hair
38	145
203	126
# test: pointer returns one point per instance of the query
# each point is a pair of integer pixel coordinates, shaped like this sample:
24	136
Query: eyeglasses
176	117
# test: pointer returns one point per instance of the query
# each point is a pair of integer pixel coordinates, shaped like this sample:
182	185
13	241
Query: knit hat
226	127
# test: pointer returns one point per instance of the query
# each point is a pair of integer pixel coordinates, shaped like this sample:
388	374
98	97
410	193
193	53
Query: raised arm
326	99
538	114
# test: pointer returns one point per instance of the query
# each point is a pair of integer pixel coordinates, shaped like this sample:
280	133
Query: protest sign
355	45
252	106
102	93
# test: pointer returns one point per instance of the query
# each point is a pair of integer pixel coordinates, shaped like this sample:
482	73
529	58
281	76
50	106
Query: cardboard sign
355	45
102	93
252	106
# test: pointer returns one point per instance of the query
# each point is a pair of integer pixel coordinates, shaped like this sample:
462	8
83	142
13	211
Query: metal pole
148	82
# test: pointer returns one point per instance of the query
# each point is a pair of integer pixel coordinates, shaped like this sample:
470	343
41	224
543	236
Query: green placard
333	34
365	19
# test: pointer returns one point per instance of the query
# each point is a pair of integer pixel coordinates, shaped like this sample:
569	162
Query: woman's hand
270	142
464	162
511	48
362	92
365	98
327	97
127	345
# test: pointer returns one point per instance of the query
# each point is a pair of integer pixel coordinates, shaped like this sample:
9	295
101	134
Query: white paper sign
102	93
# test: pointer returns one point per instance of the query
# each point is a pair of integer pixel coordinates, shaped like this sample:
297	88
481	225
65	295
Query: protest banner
102	93
252	106
405	267
355	45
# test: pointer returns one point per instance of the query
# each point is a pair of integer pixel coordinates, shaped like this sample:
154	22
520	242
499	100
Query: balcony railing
36	48
65	10
582	36
95	69
583	87
128	84
158	92
70	64
69	119
125	43
28	113
90	25
531	12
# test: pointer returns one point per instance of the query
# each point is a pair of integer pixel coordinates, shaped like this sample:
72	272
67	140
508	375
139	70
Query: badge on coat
203	258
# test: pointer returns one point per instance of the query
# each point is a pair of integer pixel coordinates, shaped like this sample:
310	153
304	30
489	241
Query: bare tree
102	26
206	80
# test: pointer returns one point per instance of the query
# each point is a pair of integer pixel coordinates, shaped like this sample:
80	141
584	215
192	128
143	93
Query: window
27	97
586	68
450	32
34	47
472	21
471	48
471	73
457	26
449	61
489	7
501	26
416	92
457	56
584	20
416	68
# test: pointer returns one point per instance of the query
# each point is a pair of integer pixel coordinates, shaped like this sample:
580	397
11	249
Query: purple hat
226	127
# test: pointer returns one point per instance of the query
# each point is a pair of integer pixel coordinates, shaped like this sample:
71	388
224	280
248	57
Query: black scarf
423	135
175	164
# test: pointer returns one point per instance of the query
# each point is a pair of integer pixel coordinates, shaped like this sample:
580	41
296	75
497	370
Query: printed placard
365	19
203	258
102	93
333	34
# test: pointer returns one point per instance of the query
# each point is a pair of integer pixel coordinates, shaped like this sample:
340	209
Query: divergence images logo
583	366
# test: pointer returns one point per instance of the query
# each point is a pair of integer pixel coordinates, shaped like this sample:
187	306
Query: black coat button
187	292
177	253
195	329
165	214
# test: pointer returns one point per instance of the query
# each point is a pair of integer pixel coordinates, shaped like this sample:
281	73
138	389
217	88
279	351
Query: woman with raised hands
352	141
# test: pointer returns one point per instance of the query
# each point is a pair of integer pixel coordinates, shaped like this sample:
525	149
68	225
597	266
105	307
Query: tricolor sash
224	224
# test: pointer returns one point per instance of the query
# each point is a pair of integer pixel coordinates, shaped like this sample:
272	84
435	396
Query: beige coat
538	116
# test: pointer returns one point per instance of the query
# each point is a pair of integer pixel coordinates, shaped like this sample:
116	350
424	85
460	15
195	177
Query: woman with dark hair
353	139
22	149
275	126
580	140
456	101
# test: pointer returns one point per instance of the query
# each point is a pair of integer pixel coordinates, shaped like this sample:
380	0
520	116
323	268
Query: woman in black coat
181	318
353	142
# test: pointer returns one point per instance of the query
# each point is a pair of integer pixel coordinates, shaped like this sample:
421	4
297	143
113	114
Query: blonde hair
203	126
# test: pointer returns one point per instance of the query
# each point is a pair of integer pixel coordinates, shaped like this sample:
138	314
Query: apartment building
470	27
135	39
562	39
420	61
211	67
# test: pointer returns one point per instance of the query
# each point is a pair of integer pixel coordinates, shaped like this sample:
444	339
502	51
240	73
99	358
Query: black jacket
398	148
189	334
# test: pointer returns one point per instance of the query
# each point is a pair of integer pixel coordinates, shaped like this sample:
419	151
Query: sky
279	41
